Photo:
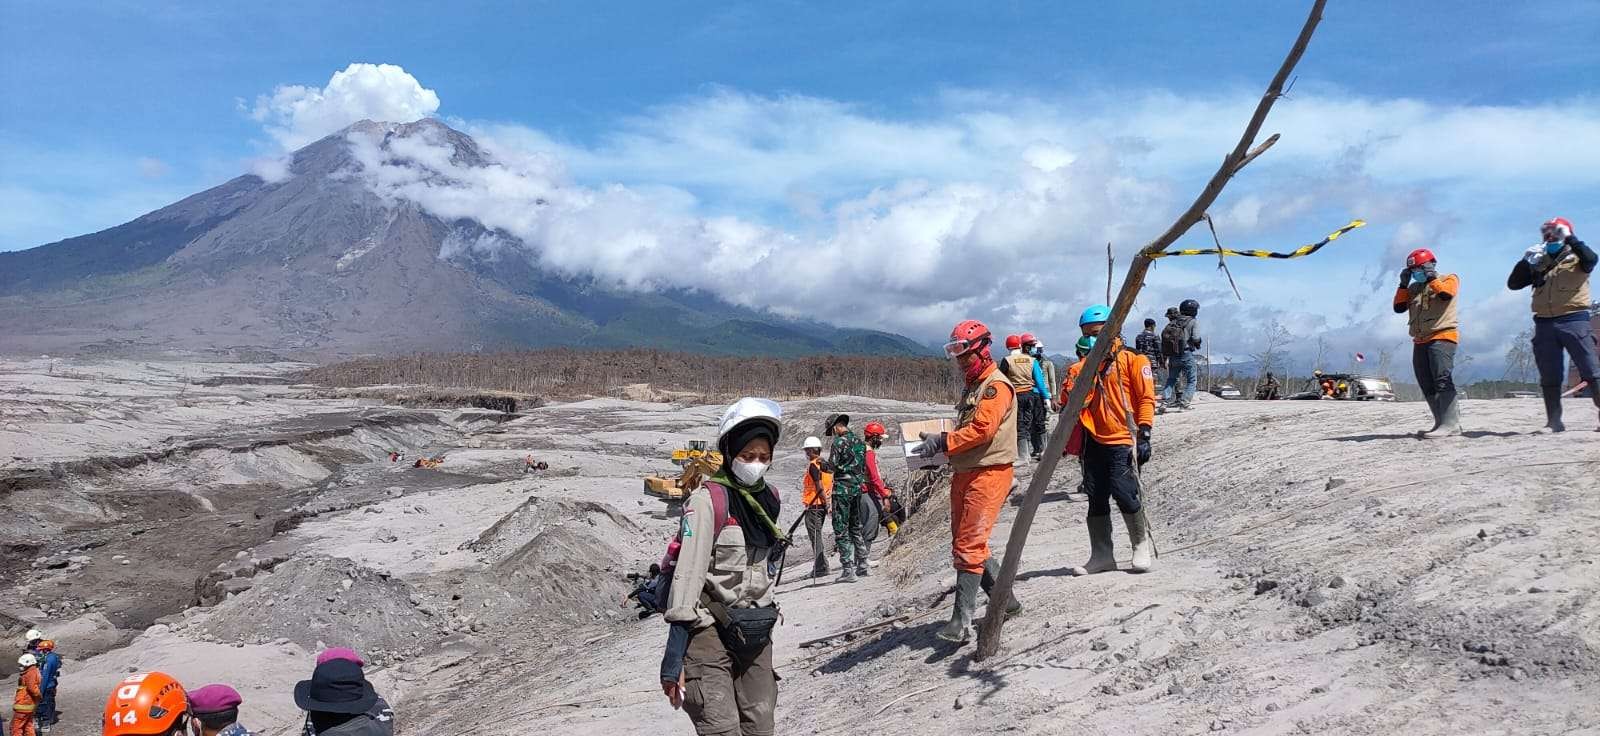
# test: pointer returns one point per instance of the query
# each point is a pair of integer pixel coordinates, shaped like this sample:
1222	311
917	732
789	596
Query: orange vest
811	495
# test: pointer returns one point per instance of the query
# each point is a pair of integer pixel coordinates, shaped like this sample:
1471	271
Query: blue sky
841	131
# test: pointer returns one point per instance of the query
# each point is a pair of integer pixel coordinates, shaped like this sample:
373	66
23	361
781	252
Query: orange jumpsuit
28	696
977	495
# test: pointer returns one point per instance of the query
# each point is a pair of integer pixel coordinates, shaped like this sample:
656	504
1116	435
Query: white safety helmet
33	635
27	660
748	409
811	443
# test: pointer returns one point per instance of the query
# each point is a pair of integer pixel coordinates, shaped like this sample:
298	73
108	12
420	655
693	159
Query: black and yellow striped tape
1304	250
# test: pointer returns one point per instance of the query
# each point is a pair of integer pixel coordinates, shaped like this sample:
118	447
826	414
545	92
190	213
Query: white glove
1535	256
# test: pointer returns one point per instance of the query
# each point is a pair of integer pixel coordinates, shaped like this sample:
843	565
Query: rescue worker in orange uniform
1115	421
29	693
982	449
816	494
147	704
1428	299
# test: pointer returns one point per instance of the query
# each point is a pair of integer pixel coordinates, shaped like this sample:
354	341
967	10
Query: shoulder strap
719	508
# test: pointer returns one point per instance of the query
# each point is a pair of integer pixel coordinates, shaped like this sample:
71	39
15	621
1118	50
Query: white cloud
271	169
999	208
295	115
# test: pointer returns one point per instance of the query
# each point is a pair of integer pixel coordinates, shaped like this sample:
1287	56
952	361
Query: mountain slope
319	265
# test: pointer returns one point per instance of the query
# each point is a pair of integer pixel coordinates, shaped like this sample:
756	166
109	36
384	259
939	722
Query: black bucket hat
336	686
835	419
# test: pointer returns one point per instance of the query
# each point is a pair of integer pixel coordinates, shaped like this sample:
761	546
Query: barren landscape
1322	570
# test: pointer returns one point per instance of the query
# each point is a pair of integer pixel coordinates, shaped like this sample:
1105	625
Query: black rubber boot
1552	409
991	573
960	627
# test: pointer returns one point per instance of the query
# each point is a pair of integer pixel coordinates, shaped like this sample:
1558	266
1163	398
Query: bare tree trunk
1241	155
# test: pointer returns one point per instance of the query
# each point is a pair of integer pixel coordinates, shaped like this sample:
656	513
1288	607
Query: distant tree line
564	373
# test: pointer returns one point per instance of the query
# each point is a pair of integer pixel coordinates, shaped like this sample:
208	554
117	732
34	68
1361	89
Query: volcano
319	265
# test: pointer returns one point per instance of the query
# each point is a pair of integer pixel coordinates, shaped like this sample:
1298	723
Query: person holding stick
1114	431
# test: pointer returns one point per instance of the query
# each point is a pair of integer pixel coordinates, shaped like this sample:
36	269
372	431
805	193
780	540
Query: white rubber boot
1144	558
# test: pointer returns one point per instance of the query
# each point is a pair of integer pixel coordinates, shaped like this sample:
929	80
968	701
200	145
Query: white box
911	437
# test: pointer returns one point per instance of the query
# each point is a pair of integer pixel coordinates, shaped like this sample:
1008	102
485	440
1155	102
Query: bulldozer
697	462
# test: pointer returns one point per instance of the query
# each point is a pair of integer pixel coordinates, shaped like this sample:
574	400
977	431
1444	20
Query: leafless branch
989	633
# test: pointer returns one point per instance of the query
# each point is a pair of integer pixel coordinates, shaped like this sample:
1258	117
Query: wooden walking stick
1241	155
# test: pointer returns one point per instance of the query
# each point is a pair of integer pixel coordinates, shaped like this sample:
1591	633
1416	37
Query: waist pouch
745	631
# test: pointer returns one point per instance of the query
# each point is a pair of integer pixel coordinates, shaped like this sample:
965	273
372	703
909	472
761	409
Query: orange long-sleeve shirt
1128	385
29	692
986	419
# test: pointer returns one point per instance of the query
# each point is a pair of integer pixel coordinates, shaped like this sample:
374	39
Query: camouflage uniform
848	456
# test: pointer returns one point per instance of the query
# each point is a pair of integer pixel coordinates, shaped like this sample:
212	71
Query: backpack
655	593
1172	341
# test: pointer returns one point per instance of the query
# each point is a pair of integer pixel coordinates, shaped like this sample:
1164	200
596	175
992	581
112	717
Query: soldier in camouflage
847	459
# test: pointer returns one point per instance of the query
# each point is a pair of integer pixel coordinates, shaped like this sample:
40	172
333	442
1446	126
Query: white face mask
749	473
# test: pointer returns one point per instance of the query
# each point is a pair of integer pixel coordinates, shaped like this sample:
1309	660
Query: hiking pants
1025	410
975	500
869	515
1107	475
819	550
47	708
1038	423
725	695
1573	335
847	524
1433	363
1180	379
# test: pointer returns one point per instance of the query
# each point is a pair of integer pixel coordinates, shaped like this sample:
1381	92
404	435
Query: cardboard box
911	434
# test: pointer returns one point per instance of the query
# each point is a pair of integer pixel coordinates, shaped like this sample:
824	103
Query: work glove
1430	271
933	443
1535	256
1143	448
1405	277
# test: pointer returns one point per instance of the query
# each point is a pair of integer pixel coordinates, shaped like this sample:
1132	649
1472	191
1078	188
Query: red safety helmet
1556	229
1013	342
966	337
1419	257
1027	337
875	429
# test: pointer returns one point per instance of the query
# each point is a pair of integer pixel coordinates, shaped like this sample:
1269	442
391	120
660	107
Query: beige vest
1429	314
1002	450
1565	290
1019	371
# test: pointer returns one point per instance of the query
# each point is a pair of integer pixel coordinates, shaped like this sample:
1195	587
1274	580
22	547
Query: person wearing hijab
718	661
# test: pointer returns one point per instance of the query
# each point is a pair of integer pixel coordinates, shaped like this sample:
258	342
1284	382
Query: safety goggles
956	348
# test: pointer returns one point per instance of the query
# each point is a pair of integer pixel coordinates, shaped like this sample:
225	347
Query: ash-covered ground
1322	570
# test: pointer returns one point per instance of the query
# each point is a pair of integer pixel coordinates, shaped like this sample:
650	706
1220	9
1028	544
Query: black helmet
1189	307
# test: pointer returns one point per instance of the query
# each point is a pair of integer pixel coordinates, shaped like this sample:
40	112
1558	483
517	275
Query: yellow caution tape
1304	250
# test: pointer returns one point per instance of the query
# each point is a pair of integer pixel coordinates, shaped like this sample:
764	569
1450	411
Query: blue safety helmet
1094	314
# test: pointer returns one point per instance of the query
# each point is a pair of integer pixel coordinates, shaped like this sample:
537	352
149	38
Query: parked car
1226	391
1348	387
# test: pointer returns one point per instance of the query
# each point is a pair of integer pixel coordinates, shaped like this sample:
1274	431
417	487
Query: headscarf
756	532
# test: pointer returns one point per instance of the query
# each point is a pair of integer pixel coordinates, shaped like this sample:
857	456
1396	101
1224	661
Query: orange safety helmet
47	645
146	704
875	429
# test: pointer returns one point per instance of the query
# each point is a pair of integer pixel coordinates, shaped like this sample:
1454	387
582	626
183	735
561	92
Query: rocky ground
1322	570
